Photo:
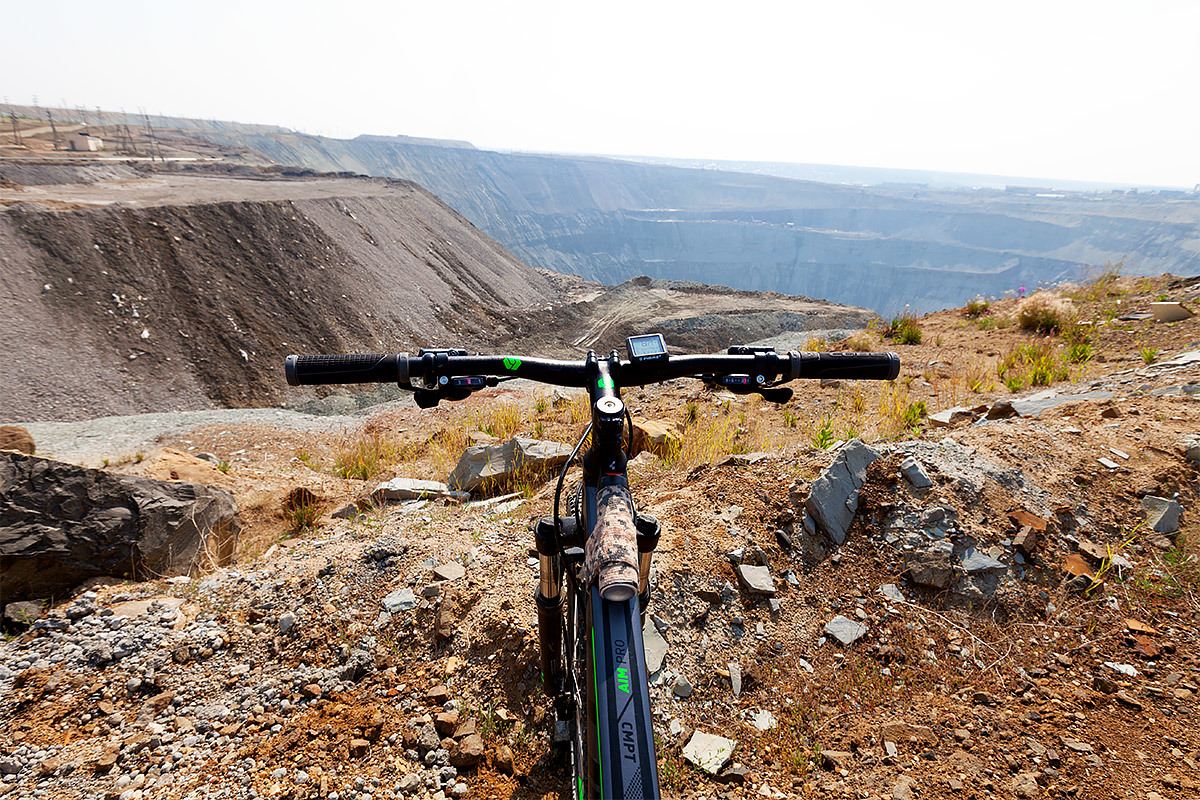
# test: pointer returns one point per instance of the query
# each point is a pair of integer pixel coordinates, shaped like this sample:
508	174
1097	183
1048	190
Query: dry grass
726	431
1035	364
865	341
1044	312
365	455
816	344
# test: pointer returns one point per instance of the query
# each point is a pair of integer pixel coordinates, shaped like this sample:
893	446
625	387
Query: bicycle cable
562	476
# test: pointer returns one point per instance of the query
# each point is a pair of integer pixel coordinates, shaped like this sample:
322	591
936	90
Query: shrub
863	341
816	344
1042	367
822	437
1149	354
914	413
1044	312
904	329
1080	352
976	307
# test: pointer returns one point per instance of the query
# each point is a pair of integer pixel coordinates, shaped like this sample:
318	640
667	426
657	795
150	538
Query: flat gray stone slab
757	580
975	561
655	647
892	592
763	720
409	489
399	600
1181	360
1169	312
845	630
833	500
708	751
1034	405
450	571
951	417
735	677
1162	515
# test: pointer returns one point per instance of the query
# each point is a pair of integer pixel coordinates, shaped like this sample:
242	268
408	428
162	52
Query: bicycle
594	562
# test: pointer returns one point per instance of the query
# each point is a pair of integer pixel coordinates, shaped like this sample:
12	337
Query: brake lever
779	396
426	398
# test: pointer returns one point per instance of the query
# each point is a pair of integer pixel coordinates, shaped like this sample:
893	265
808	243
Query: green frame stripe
596	685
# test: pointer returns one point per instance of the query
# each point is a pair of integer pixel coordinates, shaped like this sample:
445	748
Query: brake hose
562	476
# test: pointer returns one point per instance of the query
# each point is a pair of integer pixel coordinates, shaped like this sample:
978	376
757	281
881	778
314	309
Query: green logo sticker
623	680
605	383
512	364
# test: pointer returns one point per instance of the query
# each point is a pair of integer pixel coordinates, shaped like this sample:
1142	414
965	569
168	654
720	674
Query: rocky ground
997	600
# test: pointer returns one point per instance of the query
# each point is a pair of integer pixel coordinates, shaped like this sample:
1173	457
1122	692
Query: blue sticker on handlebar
512	364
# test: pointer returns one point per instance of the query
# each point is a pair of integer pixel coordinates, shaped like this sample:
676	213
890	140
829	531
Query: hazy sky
1089	90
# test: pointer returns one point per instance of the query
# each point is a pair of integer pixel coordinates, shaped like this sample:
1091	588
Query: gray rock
975	561
932	567
212	713
1190	447
1162	515
1170	311
655	647
450	571
951	417
914	473
845	630
682	688
409	783
763	720
402	599
409	489
498	463
428	739
1034	405
735	678
63	525
833	499
892	592
23	613
385	548
903	788
756	580
708	751
348	511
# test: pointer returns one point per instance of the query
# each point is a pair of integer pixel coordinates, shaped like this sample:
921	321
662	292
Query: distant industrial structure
85	141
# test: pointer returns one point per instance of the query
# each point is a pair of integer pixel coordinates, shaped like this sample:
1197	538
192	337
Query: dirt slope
134	290
180	290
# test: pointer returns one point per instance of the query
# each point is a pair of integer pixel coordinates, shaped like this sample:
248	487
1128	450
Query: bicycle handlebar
401	368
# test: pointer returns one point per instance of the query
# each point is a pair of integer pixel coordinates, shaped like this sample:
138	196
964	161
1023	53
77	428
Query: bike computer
647	347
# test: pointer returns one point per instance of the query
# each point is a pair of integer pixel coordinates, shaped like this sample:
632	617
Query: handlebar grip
848	366
351	368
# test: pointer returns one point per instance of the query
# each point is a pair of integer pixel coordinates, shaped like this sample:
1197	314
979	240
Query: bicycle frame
610	696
